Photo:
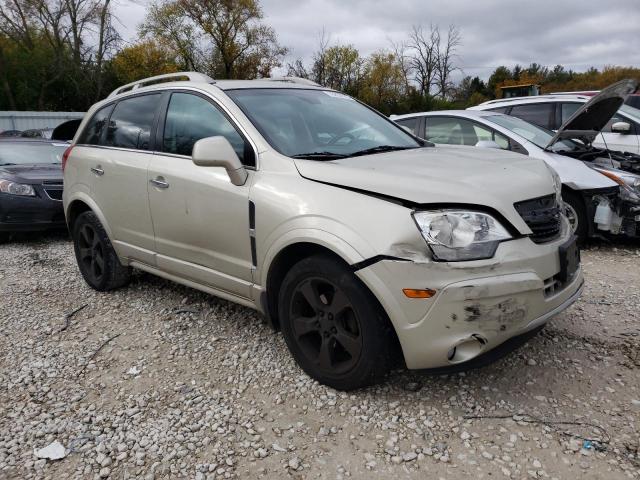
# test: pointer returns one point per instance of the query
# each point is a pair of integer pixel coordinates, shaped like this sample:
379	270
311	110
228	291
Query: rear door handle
98	170
159	182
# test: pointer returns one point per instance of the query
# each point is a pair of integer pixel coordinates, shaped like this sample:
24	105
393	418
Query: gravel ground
160	381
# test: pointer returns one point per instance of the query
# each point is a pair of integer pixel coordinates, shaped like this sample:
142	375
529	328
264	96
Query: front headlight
456	235
629	183
13	188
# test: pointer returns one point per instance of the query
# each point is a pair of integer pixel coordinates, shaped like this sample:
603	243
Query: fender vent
542	215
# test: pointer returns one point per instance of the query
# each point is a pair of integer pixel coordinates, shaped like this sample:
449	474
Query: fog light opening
466	349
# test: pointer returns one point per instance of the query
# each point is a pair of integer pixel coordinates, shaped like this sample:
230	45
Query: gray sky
575	33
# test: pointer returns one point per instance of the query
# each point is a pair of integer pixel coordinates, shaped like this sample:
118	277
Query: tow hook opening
466	349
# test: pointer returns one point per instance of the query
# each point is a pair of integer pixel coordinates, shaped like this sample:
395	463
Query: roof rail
167	77
299	80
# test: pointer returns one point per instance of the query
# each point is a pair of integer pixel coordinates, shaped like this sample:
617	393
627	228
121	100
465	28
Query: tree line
68	54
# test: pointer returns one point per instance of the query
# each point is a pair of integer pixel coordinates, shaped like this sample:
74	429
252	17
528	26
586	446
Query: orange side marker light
418	293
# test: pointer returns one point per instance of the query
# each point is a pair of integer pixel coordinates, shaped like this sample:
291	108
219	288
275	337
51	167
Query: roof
533	99
521	85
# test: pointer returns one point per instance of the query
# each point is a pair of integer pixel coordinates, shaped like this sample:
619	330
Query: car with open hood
30	185
354	237
621	131
599	195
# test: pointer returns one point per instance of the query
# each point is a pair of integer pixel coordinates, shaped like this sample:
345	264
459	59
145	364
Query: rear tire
577	214
334	327
97	260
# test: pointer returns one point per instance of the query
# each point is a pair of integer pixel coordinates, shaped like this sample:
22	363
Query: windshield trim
420	141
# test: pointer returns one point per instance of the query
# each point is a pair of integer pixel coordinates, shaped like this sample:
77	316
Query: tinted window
537	113
190	118
569	109
92	134
499	109
131	121
409	123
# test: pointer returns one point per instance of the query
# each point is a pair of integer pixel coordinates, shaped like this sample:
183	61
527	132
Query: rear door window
131	122
540	114
191	118
92	134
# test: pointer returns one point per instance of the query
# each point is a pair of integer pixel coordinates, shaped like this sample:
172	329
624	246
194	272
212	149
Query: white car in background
599	194
621	132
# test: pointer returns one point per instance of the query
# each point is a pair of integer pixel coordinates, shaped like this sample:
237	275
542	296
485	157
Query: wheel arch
82	203
280	265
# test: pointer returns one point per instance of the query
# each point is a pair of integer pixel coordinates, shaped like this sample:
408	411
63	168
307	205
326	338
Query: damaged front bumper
478	305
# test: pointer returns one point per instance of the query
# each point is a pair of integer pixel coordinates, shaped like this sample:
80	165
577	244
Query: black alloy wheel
91	253
97	260
325	325
334	326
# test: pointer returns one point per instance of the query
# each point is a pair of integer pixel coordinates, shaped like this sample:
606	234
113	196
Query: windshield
319	123
25	153
533	133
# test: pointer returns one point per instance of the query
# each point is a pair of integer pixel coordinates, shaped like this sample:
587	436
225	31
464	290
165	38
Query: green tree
383	82
143	59
242	46
497	78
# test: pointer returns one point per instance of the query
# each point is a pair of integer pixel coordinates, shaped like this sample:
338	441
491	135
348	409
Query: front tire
334	327
97	260
577	214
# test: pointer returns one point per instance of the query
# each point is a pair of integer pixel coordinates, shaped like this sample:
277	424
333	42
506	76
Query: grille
542	216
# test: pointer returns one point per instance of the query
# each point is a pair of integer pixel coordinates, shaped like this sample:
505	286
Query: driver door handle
159	182
98	170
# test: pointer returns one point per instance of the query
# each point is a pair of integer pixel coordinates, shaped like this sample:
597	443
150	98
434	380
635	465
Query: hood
591	118
441	175
66	130
33	173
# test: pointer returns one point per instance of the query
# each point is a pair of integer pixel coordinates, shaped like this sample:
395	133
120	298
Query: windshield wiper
6	164
319	156
379	149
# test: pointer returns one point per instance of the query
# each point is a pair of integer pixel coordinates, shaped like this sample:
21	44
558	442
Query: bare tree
297	69
400	50
319	68
423	59
445	56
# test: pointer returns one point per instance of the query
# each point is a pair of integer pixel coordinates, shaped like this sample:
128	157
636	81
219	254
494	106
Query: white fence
14	120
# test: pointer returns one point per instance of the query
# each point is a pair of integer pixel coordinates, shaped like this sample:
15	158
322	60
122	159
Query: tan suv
347	232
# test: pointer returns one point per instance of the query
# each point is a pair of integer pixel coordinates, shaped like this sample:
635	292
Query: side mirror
621	127
487	144
218	152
